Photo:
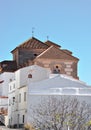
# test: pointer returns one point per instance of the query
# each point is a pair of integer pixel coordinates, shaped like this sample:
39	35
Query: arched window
29	75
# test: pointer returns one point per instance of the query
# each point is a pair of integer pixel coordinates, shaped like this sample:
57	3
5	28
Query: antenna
33	31
47	38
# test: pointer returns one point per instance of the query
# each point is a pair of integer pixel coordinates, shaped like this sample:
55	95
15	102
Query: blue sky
66	22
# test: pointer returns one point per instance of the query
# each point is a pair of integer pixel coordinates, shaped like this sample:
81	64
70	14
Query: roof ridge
44	51
29	40
52	43
69	54
58	50
32	38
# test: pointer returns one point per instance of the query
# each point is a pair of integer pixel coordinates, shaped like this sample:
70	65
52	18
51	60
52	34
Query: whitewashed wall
4	87
21	81
59	86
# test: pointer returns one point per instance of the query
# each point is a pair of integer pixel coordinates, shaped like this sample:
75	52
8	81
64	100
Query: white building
5	78
23	82
18	89
28	85
58	85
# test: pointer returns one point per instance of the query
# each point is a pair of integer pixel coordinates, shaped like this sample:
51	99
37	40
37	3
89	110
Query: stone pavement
5	128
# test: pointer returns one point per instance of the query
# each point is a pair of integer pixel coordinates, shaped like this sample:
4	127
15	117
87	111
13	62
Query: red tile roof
49	43
32	43
56	53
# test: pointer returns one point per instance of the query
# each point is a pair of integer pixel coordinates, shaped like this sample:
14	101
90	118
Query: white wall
3	102
6	76
38	73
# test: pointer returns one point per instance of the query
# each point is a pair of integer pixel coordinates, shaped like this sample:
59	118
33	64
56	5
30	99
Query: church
45	54
39	64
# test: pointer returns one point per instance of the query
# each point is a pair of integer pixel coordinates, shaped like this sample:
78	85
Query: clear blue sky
66	22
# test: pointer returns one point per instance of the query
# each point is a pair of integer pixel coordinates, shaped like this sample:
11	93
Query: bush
28	126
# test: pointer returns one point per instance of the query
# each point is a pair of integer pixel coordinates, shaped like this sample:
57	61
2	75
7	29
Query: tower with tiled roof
46	54
26	52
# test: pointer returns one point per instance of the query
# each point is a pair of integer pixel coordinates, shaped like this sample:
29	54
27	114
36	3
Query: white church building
19	93
38	69
33	82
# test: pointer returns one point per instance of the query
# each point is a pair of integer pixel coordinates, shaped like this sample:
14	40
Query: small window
13	99
13	85
23	119
10	80
20	97
24	96
57	67
30	76
35	55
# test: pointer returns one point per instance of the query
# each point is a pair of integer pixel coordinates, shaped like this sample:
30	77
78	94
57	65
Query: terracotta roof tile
56	53
32	43
49	43
3	97
67	51
8	66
